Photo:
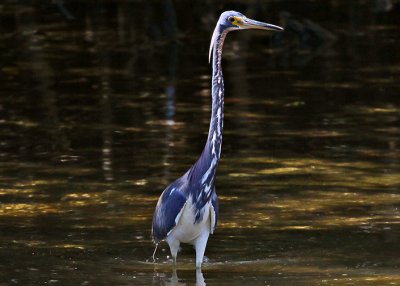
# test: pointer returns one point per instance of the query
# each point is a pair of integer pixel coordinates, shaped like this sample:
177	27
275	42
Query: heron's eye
231	19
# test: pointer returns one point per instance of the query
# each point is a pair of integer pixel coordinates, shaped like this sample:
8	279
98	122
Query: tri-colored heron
187	210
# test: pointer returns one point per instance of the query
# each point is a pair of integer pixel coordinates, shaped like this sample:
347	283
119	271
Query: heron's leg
173	246
200	245
199	278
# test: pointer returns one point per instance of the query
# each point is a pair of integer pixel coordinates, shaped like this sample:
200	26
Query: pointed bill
247	23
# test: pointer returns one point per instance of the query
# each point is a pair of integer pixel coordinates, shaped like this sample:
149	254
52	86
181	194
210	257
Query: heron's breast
187	229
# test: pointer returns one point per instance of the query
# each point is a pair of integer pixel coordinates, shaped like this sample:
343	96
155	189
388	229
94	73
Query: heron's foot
170	259
199	264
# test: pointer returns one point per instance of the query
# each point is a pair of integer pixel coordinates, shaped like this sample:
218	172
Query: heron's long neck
214	140
207	164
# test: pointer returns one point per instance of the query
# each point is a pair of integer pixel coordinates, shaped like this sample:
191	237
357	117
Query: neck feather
205	168
214	139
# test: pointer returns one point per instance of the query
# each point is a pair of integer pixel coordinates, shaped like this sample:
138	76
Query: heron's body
187	210
196	234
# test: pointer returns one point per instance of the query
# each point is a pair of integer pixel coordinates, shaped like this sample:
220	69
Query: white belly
186	230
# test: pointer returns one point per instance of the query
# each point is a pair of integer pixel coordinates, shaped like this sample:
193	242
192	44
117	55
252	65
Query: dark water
104	103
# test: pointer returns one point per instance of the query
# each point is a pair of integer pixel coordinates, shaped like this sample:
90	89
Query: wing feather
168	210
214	212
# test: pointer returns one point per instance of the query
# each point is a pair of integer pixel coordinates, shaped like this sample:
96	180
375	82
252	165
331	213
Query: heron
187	210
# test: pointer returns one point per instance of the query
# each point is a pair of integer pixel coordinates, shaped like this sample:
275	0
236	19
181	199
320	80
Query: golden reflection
77	246
244	115
241	175
84	199
133	129
33	209
236	225
141	182
302	227
316	84
298	214
17	191
37	183
228	198
382	110
77	196
22	123
313	133
283	170
340	195
344	174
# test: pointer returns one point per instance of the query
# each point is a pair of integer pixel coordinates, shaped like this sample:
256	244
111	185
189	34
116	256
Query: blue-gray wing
168	207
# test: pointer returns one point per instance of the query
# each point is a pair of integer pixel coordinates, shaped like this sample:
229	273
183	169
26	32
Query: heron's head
232	20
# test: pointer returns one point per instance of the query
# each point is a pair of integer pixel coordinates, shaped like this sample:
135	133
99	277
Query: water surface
103	104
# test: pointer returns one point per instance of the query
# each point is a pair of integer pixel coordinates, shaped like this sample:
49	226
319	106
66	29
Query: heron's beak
247	23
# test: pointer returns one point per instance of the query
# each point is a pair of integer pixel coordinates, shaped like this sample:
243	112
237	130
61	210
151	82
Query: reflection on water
102	105
174	280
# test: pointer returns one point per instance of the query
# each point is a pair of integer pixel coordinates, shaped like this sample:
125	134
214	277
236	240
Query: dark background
104	103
